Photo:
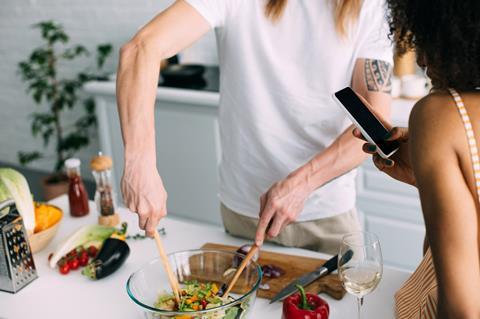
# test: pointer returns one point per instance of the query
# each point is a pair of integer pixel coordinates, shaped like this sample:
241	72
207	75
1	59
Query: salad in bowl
201	274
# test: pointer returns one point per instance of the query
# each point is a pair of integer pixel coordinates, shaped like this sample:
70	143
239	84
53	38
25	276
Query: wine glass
360	264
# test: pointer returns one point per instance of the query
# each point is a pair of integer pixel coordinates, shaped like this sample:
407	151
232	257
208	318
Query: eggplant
111	256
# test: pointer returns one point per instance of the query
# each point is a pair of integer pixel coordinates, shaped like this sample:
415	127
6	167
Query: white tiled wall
88	22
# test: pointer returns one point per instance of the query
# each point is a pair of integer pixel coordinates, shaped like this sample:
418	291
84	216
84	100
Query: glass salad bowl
149	286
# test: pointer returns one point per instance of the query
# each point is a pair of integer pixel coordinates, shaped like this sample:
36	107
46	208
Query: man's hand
398	165
144	194
281	205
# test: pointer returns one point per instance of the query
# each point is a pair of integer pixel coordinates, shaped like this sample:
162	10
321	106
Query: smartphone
372	129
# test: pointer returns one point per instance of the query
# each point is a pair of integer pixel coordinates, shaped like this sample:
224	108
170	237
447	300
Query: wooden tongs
166	264
253	250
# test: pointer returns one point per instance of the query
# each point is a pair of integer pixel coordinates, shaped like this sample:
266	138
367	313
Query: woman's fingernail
387	136
371	148
389	162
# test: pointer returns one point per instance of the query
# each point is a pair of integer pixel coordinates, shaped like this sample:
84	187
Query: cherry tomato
72	253
83	259
73	263
62	261
92	251
204	304
64	268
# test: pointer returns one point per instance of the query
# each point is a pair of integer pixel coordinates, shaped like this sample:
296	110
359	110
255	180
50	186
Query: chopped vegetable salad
195	296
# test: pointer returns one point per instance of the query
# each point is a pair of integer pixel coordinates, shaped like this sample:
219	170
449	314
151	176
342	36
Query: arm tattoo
378	75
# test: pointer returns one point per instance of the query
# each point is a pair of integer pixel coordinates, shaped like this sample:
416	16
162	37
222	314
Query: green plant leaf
47	133
89	105
26	70
40	56
39	89
103	52
37	96
52	32
26	157
73	52
73	142
85	122
84	77
42	122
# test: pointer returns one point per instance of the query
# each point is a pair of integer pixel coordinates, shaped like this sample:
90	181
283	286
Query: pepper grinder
105	197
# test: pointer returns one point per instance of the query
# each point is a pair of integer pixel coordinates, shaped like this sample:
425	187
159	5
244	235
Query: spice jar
77	195
105	197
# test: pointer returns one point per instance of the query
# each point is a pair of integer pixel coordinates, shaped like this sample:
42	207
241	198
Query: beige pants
322	235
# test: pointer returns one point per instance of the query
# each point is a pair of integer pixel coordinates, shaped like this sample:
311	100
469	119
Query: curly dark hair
445	34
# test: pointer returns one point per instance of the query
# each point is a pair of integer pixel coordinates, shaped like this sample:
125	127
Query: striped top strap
472	143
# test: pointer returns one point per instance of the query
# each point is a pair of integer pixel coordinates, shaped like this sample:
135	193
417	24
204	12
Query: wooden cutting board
294	267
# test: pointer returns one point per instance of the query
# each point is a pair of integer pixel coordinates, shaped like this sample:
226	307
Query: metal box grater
17	268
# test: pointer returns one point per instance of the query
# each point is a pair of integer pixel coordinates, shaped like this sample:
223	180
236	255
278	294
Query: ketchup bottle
77	195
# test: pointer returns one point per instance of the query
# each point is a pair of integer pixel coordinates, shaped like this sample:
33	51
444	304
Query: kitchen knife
329	266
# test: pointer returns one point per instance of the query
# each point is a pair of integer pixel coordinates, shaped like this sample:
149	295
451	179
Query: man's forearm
165	35
343	155
137	79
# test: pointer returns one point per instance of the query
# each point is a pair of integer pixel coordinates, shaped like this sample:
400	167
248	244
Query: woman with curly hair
439	155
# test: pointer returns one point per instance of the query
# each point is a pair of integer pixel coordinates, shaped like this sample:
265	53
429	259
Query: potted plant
54	94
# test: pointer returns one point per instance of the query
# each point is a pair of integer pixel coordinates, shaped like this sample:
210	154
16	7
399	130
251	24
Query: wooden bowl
41	239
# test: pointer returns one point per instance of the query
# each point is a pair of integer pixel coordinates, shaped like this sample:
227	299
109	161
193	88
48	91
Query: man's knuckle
143	213
276	203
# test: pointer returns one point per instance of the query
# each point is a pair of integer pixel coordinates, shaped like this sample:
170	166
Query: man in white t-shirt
288	155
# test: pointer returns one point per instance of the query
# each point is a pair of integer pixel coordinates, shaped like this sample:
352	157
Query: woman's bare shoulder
435	125
435	105
436	115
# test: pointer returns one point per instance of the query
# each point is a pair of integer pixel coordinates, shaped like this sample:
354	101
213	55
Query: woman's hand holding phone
398	165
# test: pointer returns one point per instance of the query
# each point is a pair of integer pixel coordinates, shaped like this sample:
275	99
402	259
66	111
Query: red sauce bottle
77	195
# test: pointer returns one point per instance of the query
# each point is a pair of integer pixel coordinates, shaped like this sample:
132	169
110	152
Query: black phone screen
366	119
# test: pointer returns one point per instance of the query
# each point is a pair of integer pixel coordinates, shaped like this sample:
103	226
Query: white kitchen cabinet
187	142
391	210
187	159
188	154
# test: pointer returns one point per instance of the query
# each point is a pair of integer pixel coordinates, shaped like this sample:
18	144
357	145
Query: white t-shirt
276	85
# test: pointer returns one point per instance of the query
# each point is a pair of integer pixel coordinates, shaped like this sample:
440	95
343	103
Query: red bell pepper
305	306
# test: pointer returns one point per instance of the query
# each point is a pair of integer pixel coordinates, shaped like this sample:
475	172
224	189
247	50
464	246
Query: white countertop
73	296
205	98
400	107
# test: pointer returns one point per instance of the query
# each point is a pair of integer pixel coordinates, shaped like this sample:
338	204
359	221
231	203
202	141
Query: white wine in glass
360	264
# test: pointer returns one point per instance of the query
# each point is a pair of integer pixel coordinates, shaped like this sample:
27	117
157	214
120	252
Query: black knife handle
346	257
331	264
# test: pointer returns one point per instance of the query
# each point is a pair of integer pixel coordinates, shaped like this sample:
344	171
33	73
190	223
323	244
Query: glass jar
105	197
77	195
